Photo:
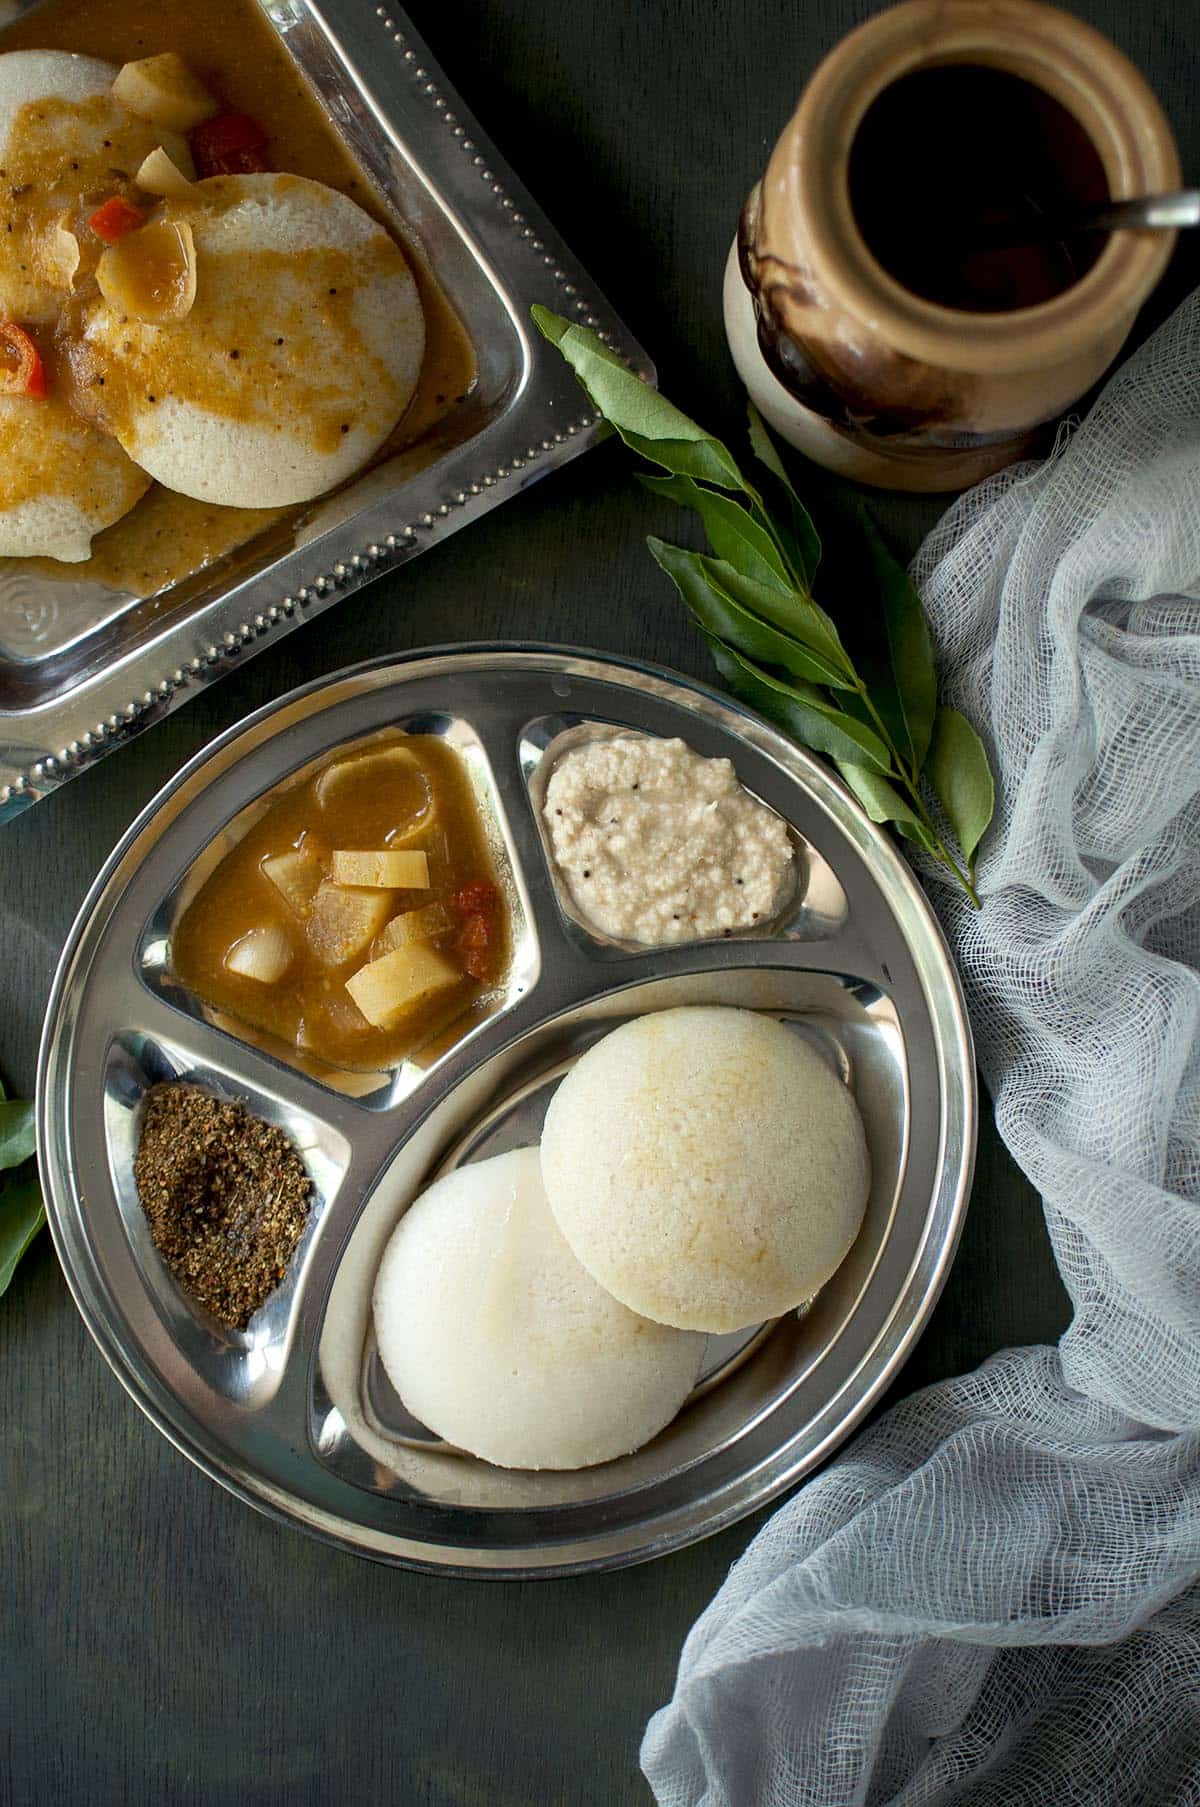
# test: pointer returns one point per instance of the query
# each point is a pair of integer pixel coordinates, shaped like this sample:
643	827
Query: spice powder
226	1196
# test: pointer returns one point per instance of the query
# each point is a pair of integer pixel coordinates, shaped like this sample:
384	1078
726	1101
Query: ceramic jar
889	386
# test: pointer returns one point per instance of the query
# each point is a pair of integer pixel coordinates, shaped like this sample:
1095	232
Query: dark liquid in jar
942	153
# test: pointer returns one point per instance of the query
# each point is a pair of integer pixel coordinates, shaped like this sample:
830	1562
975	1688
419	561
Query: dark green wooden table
162	1643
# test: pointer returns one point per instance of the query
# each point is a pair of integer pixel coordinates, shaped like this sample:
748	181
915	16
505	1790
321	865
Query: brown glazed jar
865	322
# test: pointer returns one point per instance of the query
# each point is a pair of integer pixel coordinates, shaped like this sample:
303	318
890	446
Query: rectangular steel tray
83	669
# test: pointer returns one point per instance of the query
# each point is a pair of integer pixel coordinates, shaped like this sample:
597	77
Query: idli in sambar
497	1339
706	1166
65	143
287	348
61	482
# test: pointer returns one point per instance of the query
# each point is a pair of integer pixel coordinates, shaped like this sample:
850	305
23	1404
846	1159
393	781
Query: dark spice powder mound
226	1195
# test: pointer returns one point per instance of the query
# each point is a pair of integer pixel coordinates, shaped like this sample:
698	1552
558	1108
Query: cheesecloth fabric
994	1596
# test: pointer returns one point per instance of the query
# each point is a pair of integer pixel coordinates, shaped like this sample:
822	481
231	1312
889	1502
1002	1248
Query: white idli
496	1338
60	480
706	1167
297	360
63	139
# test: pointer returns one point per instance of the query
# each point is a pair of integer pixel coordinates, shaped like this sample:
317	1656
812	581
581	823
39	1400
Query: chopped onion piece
151	274
263	954
62	251
161	175
343	785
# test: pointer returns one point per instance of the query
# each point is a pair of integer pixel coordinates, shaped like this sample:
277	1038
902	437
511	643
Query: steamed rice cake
497	1339
60	480
300	353
62	135
706	1167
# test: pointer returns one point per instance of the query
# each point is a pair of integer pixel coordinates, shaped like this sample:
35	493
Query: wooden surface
163	1643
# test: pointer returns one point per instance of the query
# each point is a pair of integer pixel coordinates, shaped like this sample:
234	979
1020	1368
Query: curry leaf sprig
21	1212
909	760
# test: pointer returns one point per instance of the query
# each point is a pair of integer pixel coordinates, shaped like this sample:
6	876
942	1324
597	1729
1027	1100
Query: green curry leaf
803	540
21	1212
21	1217
710	588
733	533
878	796
961	777
802	618
646	420
875	713
17	1135
910	651
802	710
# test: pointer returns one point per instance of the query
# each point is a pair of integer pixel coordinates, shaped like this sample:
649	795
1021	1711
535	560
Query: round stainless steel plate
290	1415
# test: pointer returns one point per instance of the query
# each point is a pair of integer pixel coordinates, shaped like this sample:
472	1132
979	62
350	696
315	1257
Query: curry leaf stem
908	780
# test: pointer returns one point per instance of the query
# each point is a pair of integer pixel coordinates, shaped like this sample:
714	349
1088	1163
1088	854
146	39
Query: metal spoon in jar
1140	213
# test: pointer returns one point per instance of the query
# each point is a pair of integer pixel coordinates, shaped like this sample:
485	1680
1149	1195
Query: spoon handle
1156	213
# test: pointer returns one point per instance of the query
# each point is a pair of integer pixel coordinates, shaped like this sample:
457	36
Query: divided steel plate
293	1415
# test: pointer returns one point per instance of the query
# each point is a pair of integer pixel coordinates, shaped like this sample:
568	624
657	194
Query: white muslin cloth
993	1597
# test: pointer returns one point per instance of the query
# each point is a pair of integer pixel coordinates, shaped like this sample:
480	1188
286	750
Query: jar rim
1054	51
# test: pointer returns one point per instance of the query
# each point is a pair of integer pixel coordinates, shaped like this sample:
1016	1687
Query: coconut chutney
657	844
